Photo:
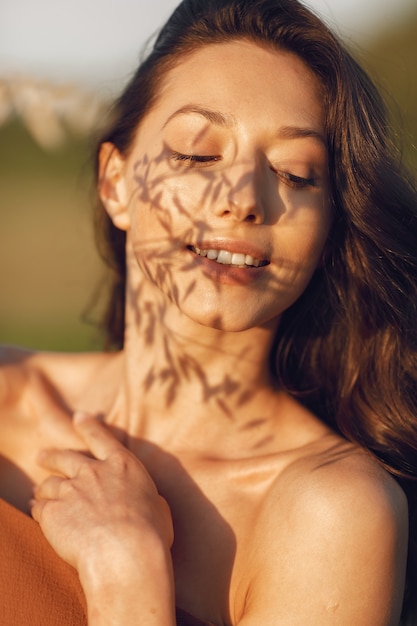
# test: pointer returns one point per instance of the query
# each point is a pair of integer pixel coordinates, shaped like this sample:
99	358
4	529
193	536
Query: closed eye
193	160
296	182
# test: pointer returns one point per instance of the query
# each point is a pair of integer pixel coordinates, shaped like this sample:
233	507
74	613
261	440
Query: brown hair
348	346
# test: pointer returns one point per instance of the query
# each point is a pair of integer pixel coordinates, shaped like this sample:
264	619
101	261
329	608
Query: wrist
129	585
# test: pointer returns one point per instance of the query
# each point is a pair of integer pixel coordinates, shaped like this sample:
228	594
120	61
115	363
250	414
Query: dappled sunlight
163	271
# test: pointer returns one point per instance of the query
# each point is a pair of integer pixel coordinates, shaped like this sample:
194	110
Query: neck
177	369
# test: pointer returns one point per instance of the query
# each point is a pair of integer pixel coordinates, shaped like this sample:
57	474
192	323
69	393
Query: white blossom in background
49	111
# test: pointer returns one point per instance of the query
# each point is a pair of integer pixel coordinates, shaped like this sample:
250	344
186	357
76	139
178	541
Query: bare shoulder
334	534
38	394
344	477
65	376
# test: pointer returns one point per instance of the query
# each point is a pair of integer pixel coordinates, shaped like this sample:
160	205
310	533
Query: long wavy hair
348	347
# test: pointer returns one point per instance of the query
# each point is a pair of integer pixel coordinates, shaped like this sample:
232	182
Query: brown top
36	586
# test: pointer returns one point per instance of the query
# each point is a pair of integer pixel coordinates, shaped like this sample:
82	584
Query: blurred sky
97	42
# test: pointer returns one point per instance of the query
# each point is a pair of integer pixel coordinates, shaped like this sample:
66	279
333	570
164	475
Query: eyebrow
295	132
227	120
214	117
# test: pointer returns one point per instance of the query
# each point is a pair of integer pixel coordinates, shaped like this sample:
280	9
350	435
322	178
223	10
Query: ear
112	186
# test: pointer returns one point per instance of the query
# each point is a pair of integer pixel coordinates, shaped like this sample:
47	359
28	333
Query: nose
242	201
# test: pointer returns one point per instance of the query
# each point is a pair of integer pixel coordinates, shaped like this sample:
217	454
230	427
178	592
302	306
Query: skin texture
206	486
244	198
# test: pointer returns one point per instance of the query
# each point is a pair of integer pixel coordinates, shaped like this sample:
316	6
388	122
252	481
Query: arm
337	558
104	516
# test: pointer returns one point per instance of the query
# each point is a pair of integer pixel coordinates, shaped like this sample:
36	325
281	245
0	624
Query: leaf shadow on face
179	202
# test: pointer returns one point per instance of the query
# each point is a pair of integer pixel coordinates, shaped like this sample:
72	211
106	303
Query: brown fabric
37	588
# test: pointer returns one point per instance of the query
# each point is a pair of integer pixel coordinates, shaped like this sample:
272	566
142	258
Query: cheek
309	217
302	239
319	218
173	209
315	239
160	190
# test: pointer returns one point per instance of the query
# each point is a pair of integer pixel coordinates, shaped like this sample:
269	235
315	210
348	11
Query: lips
226	257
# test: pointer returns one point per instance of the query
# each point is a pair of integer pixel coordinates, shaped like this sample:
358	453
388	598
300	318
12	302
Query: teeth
224	257
238	259
229	258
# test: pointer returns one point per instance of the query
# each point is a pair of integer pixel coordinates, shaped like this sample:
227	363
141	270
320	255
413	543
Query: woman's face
224	192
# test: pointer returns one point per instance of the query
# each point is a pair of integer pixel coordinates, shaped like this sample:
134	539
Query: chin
229	321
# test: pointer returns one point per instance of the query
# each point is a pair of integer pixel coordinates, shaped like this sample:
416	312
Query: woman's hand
102	513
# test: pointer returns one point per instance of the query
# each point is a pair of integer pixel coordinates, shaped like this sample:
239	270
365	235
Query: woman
262	239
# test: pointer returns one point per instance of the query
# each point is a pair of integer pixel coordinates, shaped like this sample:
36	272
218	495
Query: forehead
242	77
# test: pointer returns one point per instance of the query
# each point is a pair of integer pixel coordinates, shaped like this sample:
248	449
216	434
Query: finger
96	436
67	463
48	489
36	507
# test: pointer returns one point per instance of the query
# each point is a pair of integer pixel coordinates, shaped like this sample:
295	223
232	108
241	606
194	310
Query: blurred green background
49	269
